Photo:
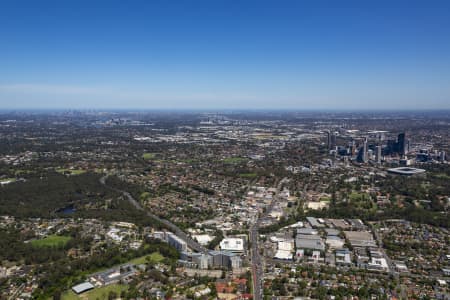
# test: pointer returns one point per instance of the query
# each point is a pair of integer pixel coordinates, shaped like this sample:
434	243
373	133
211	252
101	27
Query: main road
176	230
257	264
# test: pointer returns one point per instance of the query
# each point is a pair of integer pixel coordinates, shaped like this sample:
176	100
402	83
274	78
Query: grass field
148	156
7	180
97	293
51	241
155	257
69	171
356	196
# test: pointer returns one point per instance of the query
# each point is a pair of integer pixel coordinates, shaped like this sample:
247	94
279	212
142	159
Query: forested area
14	248
46	197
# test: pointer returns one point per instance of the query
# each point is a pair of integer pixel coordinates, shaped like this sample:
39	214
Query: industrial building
360	238
313	242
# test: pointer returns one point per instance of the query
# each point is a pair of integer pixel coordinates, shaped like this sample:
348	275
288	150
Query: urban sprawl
243	205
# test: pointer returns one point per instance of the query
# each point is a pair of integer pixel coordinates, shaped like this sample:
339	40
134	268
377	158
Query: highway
174	228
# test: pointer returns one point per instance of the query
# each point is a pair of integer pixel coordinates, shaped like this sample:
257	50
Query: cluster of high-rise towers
365	151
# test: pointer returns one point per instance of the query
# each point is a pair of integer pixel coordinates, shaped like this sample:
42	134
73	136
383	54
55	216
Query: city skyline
218	55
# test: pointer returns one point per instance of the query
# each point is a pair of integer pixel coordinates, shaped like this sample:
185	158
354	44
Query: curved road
176	230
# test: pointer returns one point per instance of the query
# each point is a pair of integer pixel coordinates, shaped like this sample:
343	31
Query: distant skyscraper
402	144
362	153
392	147
378	153
360	156
442	156
352	148
328	140
331	140
365	150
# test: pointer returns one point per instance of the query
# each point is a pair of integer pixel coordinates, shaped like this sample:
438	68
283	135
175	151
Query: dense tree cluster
46	197
59	275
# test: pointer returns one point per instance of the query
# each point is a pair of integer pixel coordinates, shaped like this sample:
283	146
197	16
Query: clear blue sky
225	54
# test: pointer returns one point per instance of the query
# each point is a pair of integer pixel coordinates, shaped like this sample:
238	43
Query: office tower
328	140
331	140
360	156
402	144
362	153
442	156
391	147
378	154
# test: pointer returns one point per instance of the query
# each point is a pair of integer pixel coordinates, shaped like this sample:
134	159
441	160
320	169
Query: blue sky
225	54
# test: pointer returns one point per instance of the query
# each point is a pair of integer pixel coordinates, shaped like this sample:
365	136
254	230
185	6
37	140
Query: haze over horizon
225	55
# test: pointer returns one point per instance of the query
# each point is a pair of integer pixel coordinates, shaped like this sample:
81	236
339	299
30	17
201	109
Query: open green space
148	156
22	172
155	257
97	293
356	196
7	180
70	171
325	199
51	241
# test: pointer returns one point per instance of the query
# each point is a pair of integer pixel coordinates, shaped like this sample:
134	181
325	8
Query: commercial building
314	222
218	259
312	242
307	231
334	242
343	257
378	154
332	232
360	238
378	264
234	245
194	259
284	250
225	259
176	242
402	144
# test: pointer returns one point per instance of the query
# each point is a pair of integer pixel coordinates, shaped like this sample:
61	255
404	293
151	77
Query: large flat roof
406	171
232	244
82	287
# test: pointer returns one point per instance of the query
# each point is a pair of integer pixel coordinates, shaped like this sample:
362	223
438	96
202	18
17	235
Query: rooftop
406	171
82	287
232	244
